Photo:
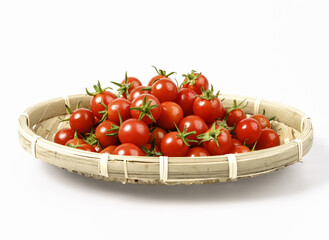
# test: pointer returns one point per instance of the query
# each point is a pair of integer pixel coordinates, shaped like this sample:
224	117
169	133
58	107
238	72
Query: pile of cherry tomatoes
165	118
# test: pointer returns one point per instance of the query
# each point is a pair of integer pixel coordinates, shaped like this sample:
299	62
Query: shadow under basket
39	124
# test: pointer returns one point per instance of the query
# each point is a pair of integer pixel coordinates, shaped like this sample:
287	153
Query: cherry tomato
135	83
171	114
127	85
197	152
80	144
235	116
217	141
109	149
173	146
134	131
193	123
146	107
104	135
269	138
236	142
248	130
96	107
161	74
75	141
122	105
185	99
157	133
263	121
63	135
164	90
137	91
240	149
82	119
208	110
195	81
128	149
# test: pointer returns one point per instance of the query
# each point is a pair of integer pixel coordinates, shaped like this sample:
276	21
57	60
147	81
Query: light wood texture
43	119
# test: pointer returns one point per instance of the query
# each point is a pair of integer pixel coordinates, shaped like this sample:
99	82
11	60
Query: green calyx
76	136
114	128
191	77
236	106
91	139
152	151
123	87
145	109
223	124
211	135
208	94
104	112
183	135
98	89
163	72
70	111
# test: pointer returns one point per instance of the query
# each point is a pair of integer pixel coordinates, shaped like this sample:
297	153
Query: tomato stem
145	109
190	78
98	89
152	151
211	135
163	72
183	135
123	87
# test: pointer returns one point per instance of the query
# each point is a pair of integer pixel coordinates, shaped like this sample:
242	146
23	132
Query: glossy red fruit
121	105
195	81
104	135
138	91
161	74
171	114
235	116
236	142
63	135
240	149
185	99
109	149
80	144
197	152
127	85
193	123
82	119
263	121
248	130
157	133
268	138
146	108
164	90
173	146
208	108
216	141
134	131
128	149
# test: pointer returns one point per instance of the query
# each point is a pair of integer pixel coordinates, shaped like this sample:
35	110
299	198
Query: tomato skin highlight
157	133
224	143
200	82
63	135
235	116
171	114
95	102
82	119
269	138
197	152
128	149
240	149
185	99
138	102
101	131
134	131
193	123
109	149
164	90
209	110
173	146
263	121
138	91
122	105
248	130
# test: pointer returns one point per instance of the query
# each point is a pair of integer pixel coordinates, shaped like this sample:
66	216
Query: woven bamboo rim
39	123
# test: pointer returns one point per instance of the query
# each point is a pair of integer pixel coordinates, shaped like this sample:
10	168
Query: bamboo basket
39	124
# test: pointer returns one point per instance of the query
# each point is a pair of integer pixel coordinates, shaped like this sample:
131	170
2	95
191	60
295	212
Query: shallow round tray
39	123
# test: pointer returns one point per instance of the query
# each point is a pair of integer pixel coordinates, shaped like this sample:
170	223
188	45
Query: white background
273	49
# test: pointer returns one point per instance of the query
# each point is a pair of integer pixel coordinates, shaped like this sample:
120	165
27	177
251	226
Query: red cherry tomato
193	123
75	141
248	130
141	107
236	142
122	105
223	138
195	81
209	110
164	90
80	144
157	133
171	114
161	74
103	134
263	121
173	146
138	91
148	147
135	83
240	149
109	149
63	135
82	119
185	99
235	116
269	138
96	107
197	152
134	131
128	149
